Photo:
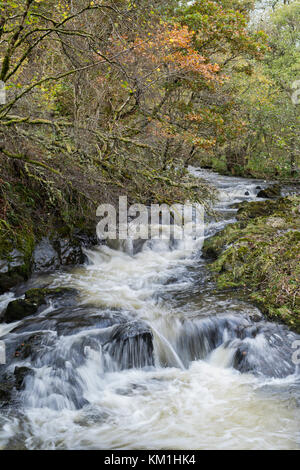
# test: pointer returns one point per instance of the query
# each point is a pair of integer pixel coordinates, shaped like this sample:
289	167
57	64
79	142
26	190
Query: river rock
5	393
270	192
69	251
31	346
59	296
19	309
35	299
49	254
14	269
7	281
45	257
15	259
251	210
131	345
20	374
86	238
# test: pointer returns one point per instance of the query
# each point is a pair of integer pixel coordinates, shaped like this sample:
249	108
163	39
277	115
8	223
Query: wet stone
20	374
35	299
270	192
45	257
6	390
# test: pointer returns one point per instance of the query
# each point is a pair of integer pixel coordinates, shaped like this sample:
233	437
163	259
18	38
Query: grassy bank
260	255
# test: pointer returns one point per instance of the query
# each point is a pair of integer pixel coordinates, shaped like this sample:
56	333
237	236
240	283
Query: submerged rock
31	346
131	345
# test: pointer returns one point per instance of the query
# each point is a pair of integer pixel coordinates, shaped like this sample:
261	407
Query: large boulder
270	192
251	210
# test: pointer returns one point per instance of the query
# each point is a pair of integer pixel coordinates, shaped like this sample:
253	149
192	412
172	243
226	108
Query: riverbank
259	255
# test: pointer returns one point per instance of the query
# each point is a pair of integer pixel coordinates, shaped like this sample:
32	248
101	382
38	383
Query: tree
273	142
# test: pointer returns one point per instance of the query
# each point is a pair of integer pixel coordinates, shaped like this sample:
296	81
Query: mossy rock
251	210
9	280
35	299
6	390
212	248
15	258
270	192
260	255
19	309
40	296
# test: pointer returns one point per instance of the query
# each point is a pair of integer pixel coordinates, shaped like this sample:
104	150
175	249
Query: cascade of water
152	357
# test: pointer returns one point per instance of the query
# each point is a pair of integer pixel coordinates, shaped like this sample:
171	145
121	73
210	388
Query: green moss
40	295
261	256
21	239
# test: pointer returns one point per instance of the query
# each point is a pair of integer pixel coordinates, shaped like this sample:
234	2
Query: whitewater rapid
150	357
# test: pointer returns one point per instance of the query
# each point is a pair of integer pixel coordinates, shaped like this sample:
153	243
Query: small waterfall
165	354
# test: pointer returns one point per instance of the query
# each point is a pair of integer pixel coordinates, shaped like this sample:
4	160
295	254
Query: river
151	356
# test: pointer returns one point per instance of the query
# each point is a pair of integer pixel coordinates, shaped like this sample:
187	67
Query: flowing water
152	357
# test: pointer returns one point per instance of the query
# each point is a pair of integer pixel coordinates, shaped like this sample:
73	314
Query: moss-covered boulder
19	309
286	207
251	210
9	280
42	296
35	299
270	192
